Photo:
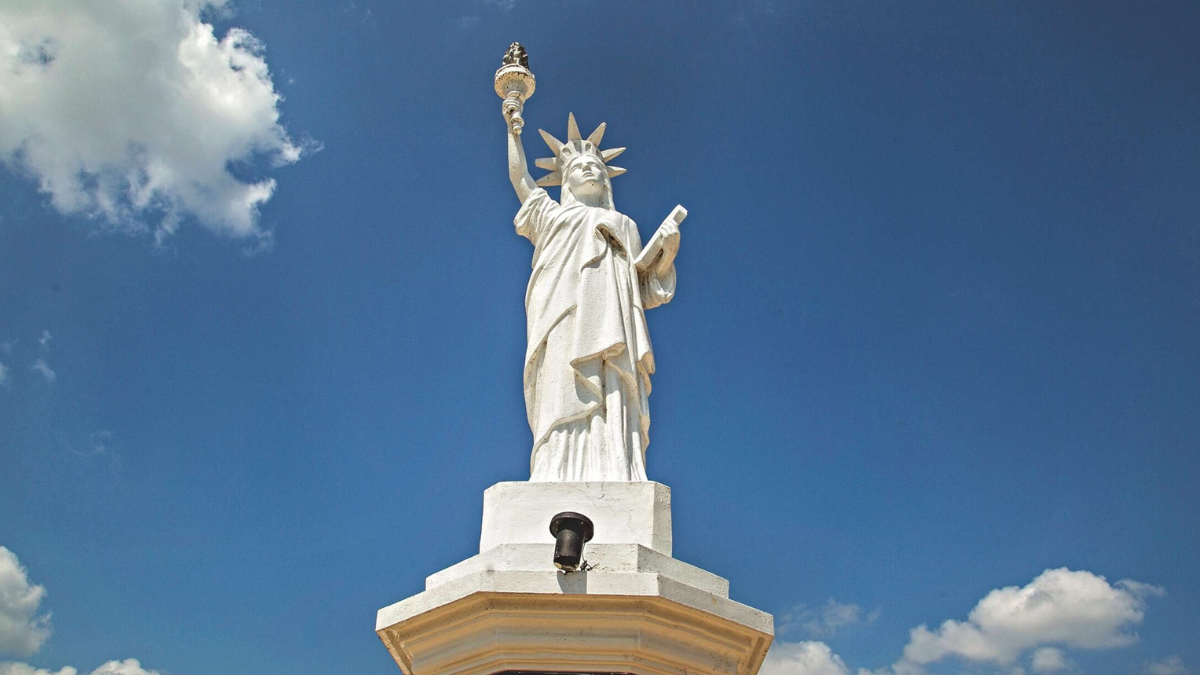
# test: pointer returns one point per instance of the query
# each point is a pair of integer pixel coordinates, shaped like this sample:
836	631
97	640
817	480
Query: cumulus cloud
26	669
126	667
22	631
1060	607
1059	610
1172	665
132	112
803	658
825	621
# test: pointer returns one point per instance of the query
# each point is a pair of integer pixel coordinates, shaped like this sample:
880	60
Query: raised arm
518	170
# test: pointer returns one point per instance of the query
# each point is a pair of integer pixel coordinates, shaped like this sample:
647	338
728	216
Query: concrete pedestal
635	610
623	513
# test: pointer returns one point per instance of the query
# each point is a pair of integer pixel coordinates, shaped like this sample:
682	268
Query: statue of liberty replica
575	574
589	360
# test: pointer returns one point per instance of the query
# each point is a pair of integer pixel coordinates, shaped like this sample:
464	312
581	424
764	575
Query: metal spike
572	129
594	139
610	153
614	171
555	144
550	180
547	163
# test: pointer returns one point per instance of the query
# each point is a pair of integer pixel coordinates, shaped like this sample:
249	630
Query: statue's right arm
518	170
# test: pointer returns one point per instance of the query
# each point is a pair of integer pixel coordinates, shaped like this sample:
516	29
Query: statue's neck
595	201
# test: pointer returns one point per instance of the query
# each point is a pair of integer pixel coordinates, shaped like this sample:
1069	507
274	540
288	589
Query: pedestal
624	513
634	610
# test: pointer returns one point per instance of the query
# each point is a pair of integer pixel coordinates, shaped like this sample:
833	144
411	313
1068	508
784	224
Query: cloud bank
22	631
1060	607
126	667
1059	610
132	112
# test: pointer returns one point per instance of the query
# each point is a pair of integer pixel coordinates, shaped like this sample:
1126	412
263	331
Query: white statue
589	361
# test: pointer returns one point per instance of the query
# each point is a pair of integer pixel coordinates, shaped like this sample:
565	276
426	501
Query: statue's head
586	178
580	166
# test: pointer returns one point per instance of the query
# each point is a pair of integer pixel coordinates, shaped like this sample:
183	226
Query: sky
929	390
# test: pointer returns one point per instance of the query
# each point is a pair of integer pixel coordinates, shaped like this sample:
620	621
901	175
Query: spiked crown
575	147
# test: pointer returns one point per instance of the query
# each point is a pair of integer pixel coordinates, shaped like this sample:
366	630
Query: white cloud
1049	660
825	621
803	658
132	111
1172	665
22	632
3	374
6	347
1060	607
40	366
44	341
26	669
126	667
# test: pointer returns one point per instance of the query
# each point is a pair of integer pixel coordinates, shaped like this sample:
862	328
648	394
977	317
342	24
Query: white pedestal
623	513
635	610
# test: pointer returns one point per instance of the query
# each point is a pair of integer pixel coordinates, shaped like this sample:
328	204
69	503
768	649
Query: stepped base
635	610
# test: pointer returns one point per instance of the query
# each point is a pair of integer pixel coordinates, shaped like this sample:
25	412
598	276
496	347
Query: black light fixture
570	531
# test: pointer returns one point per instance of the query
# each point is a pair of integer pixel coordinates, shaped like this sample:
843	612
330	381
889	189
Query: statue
589	360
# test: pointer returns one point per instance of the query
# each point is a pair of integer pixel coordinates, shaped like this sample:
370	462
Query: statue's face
585	177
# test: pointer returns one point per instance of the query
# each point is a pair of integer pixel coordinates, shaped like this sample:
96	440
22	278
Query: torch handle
512	108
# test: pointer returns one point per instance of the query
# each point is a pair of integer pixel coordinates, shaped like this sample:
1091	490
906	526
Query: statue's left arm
668	233
656	263
656	289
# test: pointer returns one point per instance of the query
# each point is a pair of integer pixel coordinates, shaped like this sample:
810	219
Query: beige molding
488	632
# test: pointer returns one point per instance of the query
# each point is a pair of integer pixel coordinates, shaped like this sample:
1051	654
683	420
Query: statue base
632	609
624	513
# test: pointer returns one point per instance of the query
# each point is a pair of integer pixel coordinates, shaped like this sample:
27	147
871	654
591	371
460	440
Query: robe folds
589	360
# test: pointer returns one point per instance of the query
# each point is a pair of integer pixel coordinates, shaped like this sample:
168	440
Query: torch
515	84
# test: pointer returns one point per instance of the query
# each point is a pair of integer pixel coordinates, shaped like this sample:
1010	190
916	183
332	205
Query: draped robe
589	360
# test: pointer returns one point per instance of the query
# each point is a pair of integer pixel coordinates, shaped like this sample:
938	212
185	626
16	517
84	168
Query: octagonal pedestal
634	610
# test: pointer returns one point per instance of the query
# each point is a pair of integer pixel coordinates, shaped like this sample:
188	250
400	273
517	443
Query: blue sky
936	329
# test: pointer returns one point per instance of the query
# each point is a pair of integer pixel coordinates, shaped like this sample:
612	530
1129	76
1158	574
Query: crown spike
614	171
555	144
547	163
610	153
594	139
572	129
550	180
